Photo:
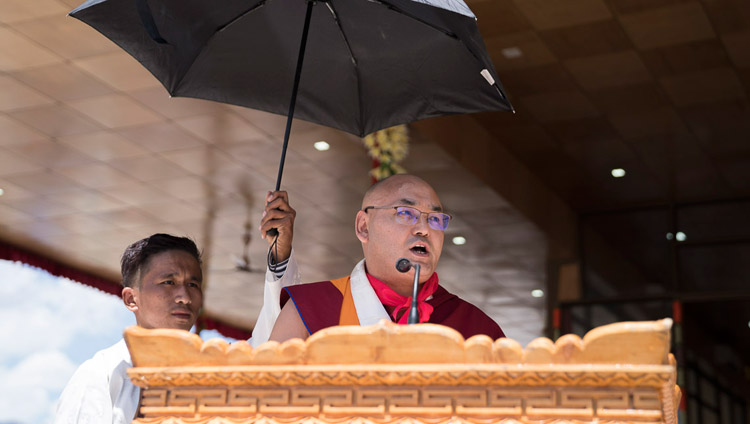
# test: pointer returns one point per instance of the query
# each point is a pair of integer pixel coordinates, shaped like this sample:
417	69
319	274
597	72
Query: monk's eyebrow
409	202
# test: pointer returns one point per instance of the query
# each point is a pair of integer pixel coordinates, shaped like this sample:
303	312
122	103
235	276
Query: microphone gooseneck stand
404	265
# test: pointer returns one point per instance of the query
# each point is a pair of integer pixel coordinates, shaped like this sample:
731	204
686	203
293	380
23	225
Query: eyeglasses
409	216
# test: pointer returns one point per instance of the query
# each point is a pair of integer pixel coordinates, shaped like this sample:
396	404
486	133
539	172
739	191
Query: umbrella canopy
368	64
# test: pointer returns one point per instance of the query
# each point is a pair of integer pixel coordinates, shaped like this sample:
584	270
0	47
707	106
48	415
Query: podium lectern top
621	372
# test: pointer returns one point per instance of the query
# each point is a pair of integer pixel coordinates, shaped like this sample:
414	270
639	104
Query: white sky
48	327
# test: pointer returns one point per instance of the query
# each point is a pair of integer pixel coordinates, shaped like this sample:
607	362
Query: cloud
48	326
24	406
42	312
48	370
30	389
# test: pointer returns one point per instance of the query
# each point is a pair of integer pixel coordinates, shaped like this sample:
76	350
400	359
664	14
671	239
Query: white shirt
100	390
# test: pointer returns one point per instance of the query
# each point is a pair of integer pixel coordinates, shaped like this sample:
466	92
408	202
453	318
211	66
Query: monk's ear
130	298
361	226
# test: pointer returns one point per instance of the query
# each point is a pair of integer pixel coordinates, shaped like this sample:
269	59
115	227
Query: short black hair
137	255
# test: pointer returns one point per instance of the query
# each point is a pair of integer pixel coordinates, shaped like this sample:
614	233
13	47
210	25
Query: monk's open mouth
419	250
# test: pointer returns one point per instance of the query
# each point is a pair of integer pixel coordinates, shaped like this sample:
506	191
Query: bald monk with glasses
401	217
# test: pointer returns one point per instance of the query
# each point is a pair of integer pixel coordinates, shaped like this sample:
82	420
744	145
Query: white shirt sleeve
271	298
100	391
86	398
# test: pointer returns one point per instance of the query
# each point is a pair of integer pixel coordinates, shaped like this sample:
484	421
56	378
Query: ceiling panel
14	132
104	145
40	207
506	17
705	86
12	163
519	50
16	95
591	39
20	53
65	36
97	175
223	128
655	122
63	82
51	154
118	70
736	45
10	216
627	99
159	100
115	111
55	121
721	128
559	106
609	70
88	201
161	137
12	11
688	57
538	80
544	14
631	6
675	24
728	16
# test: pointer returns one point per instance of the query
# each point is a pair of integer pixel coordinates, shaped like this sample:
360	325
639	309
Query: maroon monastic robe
319	306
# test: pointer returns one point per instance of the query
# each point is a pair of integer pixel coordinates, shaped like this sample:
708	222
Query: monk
400	217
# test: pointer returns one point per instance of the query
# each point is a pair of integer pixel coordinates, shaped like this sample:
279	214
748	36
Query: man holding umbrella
401	219
368	65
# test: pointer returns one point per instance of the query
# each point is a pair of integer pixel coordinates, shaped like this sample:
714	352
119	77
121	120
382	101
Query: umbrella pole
273	232
293	101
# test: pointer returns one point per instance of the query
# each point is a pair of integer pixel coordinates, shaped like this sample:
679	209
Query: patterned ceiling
94	155
657	87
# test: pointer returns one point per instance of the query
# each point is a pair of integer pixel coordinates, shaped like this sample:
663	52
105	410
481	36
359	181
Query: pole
413	311
300	58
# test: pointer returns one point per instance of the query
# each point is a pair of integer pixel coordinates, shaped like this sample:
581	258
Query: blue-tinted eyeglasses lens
436	220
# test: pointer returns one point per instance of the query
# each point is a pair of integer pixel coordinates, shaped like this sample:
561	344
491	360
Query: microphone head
403	265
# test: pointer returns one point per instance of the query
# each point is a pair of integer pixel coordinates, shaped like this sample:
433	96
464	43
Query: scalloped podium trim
388	343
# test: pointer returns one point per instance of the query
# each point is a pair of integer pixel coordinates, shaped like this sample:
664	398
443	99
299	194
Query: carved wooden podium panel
391	373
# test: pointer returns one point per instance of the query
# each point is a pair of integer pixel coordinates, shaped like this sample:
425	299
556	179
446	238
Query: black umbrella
370	64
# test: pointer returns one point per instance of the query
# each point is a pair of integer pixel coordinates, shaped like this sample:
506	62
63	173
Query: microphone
404	265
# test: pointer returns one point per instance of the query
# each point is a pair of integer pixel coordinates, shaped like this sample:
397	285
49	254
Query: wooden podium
391	373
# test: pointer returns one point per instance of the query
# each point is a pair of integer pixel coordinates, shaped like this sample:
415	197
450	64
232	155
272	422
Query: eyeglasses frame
450	217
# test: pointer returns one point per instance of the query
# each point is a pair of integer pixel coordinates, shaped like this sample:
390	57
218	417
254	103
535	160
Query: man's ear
130	298
361	227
